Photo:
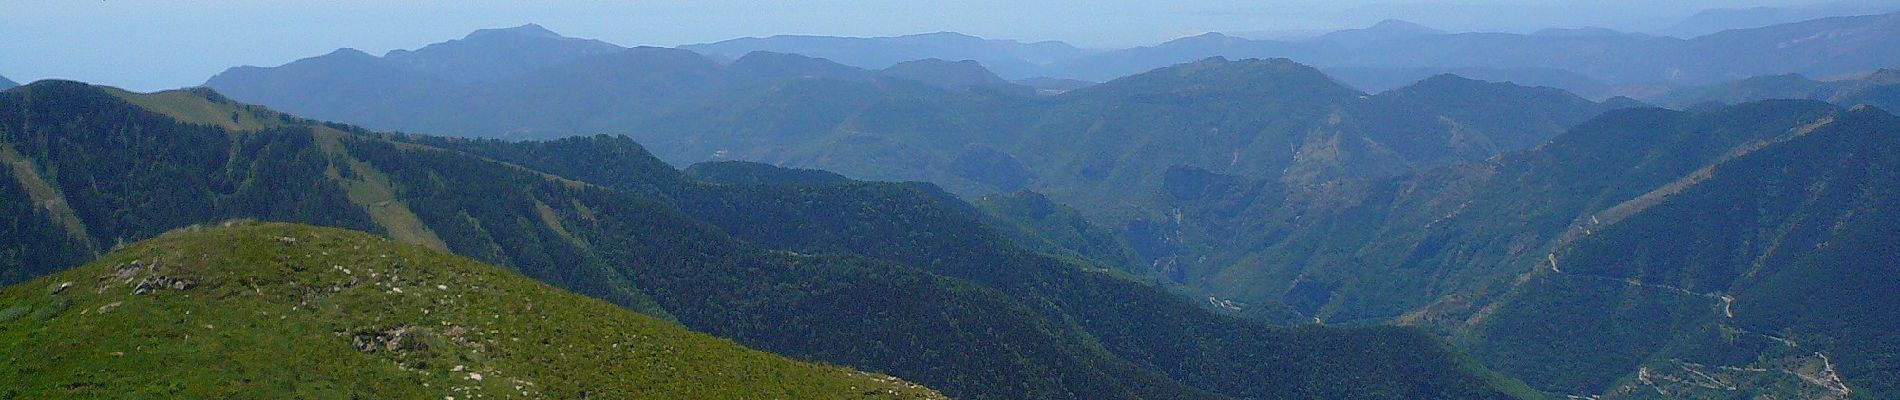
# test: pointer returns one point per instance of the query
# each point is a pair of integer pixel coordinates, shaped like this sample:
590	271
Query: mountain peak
1445	79
768	64
945	35
1871	113
526	30
1403	26
1452	86
1214	77
1885	76
347	52
954	75
1390	29
1588	31
1206	37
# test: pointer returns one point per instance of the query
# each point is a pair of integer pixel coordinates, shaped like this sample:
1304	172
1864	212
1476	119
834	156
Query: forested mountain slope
630	230
1616	251
920	225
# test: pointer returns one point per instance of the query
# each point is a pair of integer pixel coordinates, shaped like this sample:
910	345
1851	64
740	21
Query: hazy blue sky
150	45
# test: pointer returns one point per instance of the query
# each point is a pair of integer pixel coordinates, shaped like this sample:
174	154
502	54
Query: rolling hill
280	310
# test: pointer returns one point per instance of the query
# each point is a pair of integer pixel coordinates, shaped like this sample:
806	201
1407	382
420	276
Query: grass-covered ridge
281	311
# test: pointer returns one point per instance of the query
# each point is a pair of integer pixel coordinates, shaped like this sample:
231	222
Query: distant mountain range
1722	19
1821	47
953	123
569	86
6	83
1879	89
1595	62
1009	58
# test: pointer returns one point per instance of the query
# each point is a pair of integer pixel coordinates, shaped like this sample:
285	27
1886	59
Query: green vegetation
1584	248
749	173
953	124
1798	234
1879	89
1092	310
1623	245
279	310
1033	221
1672	242
913	285
205	107
1021	297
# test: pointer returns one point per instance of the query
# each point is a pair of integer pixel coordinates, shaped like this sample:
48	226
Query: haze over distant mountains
1595	63
1820	47
1722	19
953	123
1879	89
6	84
1009	58
1592	61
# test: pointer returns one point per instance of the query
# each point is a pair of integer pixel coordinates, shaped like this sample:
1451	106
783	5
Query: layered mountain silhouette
901	279
1879	89
1722	19
1720	45
956	124
1820	47
1009	58
960	75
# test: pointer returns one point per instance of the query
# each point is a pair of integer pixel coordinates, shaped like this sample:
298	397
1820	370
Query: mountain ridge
1009	58
1585	230
1880	89
1620	60
648	246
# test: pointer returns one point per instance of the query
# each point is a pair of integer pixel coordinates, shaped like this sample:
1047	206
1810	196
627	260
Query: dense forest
1637	241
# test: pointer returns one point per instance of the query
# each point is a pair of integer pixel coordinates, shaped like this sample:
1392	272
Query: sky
153	45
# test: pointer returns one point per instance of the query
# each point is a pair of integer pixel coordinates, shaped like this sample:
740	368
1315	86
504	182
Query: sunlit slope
281	311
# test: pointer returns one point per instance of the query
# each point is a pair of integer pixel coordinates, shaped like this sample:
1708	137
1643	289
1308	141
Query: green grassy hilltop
293	311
